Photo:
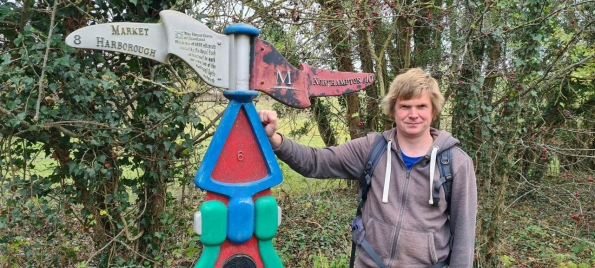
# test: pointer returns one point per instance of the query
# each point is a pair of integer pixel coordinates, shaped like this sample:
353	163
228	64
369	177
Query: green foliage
115	131
324	238
506	260
549	227
98	170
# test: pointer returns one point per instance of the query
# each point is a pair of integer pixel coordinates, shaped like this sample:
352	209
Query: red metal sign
272	74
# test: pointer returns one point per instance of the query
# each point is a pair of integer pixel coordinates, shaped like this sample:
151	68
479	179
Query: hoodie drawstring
387	174
432	165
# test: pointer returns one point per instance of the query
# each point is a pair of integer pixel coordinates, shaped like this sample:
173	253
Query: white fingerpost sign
206	51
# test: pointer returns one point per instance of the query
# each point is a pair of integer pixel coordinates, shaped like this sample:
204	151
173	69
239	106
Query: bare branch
202	135
40	92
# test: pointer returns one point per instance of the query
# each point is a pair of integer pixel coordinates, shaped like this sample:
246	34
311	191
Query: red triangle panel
241	159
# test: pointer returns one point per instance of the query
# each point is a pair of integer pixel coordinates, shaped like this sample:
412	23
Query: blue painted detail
240	220
240	192
241	28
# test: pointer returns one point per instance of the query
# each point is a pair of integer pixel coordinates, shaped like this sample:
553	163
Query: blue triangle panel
239	99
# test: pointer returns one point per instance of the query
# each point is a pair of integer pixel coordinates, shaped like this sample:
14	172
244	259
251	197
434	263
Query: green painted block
214	222
208	258
266	216
269	257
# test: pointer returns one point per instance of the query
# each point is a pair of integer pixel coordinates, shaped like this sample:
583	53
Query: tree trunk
427	36
321	112
156	190
372	117
341	50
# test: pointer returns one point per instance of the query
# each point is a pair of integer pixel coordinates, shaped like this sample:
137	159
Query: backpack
357	226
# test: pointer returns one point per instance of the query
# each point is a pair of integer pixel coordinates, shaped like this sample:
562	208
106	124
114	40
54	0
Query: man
401	226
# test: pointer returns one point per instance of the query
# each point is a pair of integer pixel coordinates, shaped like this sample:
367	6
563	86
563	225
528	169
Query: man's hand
270	124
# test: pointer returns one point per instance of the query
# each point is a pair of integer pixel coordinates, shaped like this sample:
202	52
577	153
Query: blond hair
409	85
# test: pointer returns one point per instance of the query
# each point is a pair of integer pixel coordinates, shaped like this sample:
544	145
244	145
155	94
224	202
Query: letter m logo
284	79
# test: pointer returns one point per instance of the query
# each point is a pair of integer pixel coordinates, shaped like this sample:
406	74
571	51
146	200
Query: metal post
241	36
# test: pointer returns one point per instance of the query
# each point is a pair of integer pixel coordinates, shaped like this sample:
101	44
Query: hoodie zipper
403	199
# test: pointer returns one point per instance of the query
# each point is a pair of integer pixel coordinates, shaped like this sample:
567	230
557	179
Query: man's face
414	117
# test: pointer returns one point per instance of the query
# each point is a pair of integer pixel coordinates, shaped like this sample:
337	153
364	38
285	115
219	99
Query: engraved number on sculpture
77	39
240	155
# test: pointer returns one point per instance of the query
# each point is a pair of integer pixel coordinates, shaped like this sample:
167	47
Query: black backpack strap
442	264
365	179
445	180
358	234
352	257
364	185
372	254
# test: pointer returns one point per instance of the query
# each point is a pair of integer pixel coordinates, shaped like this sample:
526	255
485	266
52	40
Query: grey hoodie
407	231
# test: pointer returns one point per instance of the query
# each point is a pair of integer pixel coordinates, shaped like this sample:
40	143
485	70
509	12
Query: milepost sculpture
239	217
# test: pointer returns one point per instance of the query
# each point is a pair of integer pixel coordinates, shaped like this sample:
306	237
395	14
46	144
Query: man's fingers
267	117
263	117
